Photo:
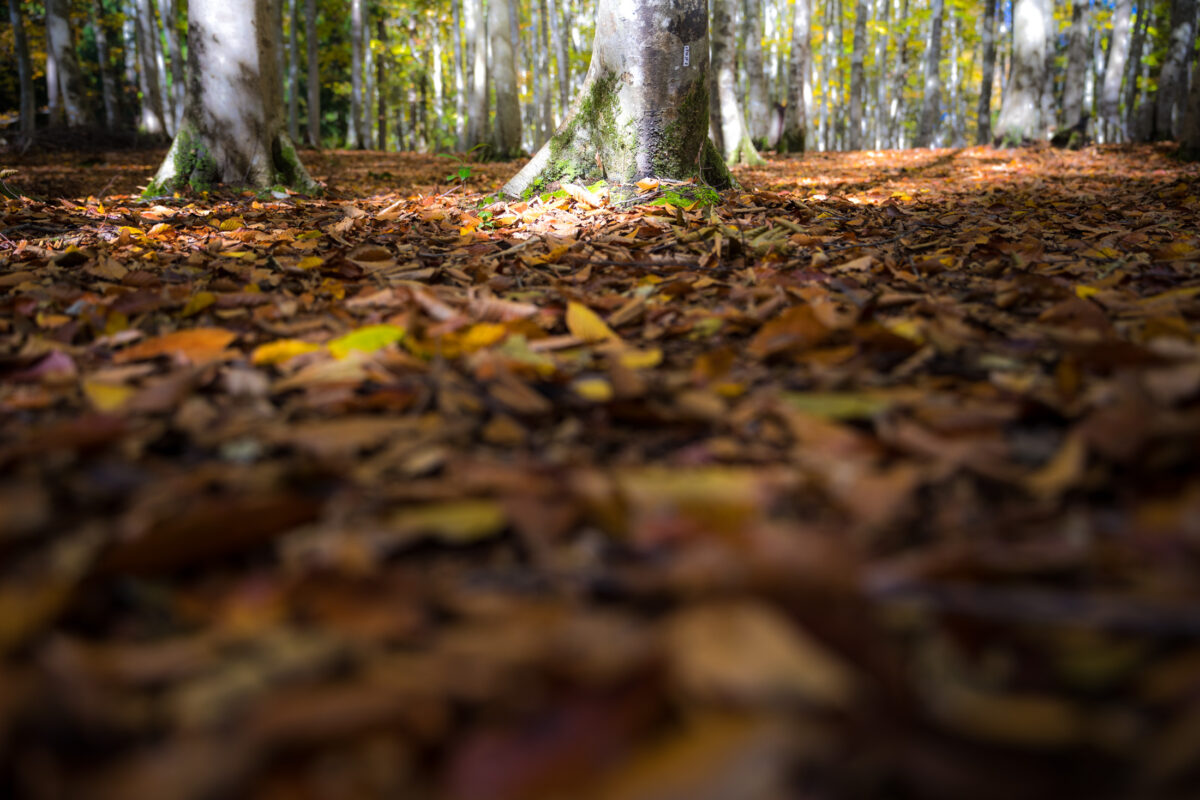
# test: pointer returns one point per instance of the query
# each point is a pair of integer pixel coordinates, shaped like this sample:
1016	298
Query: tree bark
756	94
883	10
1078	54
559	42
28	108
1049	100
795	123
932	92
643	108
356	138
1190	137
460	80
233	129
730	132
60	41
1171	97
1020	112
169	11
314	73
153	115
381	110
544	70
507	141
293	63
1135	90
477	111
858	79
1114	69
984	111
109	91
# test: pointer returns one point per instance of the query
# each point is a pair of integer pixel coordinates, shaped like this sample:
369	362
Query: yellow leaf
838	405
647	184
198	302
233	224
459	522
282	350
310	262
1084	292
641	359
106	397
481	335
585	324
159	229
367	340
597	390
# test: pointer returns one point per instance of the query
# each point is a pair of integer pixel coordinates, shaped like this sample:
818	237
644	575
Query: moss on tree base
191	166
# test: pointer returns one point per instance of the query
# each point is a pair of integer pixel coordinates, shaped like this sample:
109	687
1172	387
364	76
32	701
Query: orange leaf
198	345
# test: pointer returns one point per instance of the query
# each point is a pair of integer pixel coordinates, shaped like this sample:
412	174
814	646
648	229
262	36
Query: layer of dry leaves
880	479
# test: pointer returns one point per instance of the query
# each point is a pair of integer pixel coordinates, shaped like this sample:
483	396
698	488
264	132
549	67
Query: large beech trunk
643	108
233	129
60	43
1020	110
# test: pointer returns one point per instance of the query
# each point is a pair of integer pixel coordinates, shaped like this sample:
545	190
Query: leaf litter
877	478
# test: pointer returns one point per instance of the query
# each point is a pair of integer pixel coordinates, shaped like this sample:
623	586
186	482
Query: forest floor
879	478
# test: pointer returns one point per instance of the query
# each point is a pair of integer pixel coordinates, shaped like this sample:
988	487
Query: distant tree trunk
1171	97
932	92
547	108
60	42
28	108
899	103
293	70
559	42
507	142
460	81
368	129
439	90
957	126
756	95
1077	63
109	92
1114	70
795	122
1020	112
641	110
984	111
314	73
858	80
153	119
1049	98
356	136
728	124
1135	89
883	10
233	127
381	110
169	11
1190	136
477	112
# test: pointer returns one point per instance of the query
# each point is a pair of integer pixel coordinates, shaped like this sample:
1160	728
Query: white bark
858	80
1171	97
1190	137
756	94
460	81
169	10
642	110
1020	112
729	129
795	122
477	110
314	73
233	130
931	97
60	44
1114	69
1078	54
153	117
507	142
356	135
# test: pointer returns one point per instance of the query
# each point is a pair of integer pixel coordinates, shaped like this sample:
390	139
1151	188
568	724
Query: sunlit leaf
367	340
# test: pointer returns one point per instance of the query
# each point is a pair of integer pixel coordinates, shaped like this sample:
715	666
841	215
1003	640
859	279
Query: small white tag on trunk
687	55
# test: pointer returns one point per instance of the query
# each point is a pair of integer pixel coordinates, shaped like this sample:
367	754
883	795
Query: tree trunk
643	108
544	69
153	116
1171	97
233	129
858	80
756	94
356	137
1020	111
369	141
1077	63
477	112
559	42
28	106
381	110
109	92
1134	89
60	42
439	89
507	142
728	124
293	65
984	111
1049	102
799	66
1190	136
932	92
169	10
314	73
883	10
1114	69
460	81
